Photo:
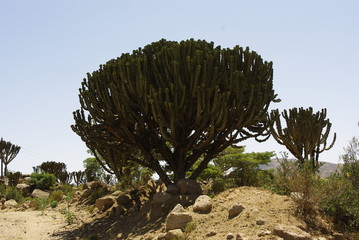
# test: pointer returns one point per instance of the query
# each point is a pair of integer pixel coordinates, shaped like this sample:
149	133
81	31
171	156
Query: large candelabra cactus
305	134
180	101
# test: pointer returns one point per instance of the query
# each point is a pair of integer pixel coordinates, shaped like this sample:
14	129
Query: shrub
340	200
67	189
39	203
218	185
13	193
43	181
56	196
54	204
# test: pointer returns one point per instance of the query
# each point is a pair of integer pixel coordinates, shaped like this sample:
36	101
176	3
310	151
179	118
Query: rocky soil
240	213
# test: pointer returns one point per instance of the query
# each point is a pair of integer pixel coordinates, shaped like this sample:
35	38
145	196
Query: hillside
263	215
324	171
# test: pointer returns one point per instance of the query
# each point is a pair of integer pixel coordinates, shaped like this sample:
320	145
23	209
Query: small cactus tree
8	152
305	134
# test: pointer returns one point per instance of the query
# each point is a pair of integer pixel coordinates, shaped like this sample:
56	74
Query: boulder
25	188
178	218
105	202
124	199
290	233
203	204
95	184
117	210
86	193
174	234
116	193
189	186
161	198
260	221
235	210
172	189
230	236
37	193
10	203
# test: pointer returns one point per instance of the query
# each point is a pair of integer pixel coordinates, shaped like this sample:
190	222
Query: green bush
67	189
39	203
56	196
13	193
43	181
341	201
218	185
54	204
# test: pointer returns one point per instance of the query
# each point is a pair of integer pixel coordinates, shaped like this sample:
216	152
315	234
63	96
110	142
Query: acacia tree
176	101
304	135
8	152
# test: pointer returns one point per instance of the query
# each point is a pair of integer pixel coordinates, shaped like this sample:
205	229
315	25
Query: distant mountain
324	171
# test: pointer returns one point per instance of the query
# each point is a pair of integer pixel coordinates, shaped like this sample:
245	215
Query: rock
260	222
264	233
239	237
155	212
189	186
160	198
230	236
162	236
117	210
172	189
291	233
37	193
124	199
211	234
10	203
178	218
174	234
203	204
86	193
26	205
116	193
338	236
235	210
95	184
105	202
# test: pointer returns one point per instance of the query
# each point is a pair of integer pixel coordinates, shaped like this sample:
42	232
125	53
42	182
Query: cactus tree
8	152
305	134
176	101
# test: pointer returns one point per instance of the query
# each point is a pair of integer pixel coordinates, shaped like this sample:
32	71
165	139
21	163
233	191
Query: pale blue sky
48	46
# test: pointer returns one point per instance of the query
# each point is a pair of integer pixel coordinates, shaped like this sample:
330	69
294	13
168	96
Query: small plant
54	204
67	189
39	204
69	216
91	208
56	195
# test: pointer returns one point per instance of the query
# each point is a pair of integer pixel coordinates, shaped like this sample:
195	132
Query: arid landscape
262	215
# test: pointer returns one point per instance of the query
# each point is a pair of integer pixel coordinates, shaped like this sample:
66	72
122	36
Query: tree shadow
127	226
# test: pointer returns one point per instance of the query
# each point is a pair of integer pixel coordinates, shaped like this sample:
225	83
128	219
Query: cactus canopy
174	102
305	134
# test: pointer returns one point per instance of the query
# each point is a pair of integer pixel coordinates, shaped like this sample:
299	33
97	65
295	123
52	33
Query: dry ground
259	205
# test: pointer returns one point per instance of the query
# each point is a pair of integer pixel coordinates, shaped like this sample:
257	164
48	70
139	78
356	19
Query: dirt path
29	225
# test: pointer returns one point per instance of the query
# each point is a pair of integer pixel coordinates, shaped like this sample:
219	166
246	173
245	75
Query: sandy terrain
30	225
